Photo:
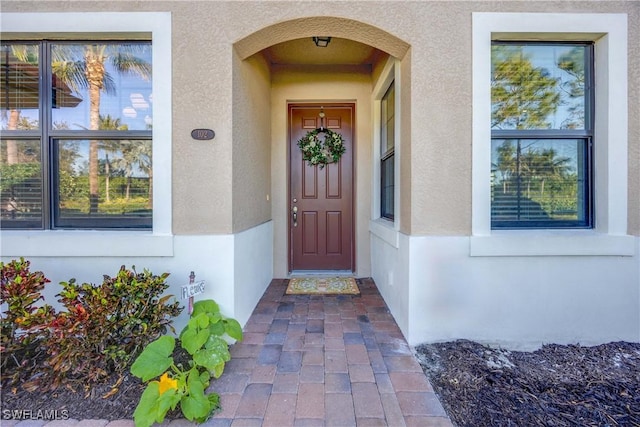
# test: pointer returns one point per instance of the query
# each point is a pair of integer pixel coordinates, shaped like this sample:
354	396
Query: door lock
295	216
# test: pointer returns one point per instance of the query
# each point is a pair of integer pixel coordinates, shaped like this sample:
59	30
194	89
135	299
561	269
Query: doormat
323	285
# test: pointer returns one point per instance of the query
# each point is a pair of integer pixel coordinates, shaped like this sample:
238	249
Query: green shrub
203	339
105	327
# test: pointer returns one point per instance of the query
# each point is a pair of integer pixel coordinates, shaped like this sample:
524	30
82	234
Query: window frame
155	26
609	236
49	146
585	134
387	155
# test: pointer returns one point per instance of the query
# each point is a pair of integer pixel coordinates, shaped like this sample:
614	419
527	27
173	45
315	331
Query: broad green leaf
203	320
192	340
233	329
209	358
218	370
205	378
147	409
167	400
217	329
215	317
205	306
195	404
155	359
220	346
187	340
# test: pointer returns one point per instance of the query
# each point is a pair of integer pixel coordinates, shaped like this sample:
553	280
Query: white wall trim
609	32
552	243
105	243
386	231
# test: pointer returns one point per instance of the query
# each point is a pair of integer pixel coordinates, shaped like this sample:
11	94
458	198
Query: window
387	151
541	134
607	233
76	147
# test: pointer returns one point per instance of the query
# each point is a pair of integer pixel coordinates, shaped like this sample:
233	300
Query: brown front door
321	228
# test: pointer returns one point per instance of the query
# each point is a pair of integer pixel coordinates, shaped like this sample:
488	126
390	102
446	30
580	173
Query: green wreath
319	151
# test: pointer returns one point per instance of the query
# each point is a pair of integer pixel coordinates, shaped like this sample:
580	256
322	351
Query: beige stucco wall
439	34
251	142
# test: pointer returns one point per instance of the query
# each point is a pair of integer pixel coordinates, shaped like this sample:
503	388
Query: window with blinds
76	146
542	135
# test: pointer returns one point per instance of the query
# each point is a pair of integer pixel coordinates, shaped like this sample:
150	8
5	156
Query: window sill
551	243
84	244
385	230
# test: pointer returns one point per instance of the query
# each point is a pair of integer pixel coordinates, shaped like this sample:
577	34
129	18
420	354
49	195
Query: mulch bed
79	403
114	398
554	386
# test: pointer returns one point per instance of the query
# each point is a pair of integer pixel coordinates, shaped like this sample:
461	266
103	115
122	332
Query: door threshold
321	273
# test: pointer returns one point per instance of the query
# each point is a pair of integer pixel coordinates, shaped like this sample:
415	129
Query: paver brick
253	402
402	363
121	423
92	423
313	356
392	411
409	381
228	405
286	382
335	361
361	374
71	422
310	402
372	422
281	410
337	382
420	403
366	400
428	422
246	422
357	353
31	423
312	374
290	361
384	383
269	354
339	410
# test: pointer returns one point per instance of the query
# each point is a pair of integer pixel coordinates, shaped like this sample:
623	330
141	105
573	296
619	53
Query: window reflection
124	179
538	86
538	180
21	183
106	79
20	82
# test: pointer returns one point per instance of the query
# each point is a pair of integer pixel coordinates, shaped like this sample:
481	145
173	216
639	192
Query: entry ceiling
339	52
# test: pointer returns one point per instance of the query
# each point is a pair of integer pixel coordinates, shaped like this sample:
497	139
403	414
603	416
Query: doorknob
295	216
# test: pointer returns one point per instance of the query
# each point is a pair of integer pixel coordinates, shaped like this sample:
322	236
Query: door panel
321	236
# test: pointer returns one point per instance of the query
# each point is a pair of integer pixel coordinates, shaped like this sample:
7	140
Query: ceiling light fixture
321	41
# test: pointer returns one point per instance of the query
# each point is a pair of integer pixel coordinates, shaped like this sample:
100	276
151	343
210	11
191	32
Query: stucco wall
439	34
251	142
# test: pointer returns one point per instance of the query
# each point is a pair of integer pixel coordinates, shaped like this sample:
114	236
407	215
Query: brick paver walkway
337	360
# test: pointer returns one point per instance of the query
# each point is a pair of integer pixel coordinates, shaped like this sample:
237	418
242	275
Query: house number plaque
202	134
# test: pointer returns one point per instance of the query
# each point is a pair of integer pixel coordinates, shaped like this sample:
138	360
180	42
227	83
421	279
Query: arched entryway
279	66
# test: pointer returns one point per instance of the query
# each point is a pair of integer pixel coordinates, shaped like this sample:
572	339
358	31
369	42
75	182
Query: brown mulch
556	385
115	398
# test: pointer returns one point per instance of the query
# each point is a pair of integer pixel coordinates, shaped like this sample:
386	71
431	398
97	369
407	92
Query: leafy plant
23	320
203	339
105	327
